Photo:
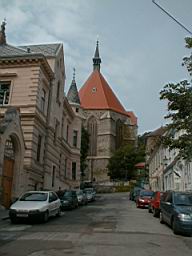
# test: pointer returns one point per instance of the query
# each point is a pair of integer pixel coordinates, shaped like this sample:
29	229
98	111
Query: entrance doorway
8	172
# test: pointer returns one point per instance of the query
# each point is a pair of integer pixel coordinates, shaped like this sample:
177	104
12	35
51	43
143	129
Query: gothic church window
92	130
119	133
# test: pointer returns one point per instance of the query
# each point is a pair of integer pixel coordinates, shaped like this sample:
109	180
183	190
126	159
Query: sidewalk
4	213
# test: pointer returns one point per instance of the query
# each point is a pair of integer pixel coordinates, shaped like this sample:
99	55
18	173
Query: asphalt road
111	226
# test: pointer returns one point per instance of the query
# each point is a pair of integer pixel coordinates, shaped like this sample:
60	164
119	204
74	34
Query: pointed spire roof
72	94
96	58
2	33
97	94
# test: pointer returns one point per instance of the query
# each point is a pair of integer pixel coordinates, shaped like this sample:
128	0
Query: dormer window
4	92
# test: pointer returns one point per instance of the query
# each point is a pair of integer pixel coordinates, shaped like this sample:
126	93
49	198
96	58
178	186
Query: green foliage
84	150
179	97
122	164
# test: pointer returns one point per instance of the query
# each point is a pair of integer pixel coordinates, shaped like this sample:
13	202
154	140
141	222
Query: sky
141	48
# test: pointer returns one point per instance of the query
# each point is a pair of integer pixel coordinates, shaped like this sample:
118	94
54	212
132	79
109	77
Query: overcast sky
141	48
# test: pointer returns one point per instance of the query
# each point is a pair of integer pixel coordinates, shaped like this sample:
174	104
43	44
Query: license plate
22	215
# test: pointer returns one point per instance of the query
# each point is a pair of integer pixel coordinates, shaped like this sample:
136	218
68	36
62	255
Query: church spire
2	33
96	58
73	95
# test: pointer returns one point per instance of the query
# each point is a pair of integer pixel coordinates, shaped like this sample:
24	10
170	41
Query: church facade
109	125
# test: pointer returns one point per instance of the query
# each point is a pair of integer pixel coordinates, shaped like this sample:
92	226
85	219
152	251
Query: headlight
141	200
184	217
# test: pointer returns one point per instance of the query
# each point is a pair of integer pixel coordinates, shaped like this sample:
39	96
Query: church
109	125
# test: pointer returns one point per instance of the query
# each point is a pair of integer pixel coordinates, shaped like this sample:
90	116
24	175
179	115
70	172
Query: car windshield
67	194
34	197
183	199
146	193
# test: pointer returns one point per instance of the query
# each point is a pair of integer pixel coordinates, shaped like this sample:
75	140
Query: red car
144	198
154	205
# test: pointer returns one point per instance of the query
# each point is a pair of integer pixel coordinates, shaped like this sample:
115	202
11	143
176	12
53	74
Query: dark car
144	198
69	200
154	205
176	211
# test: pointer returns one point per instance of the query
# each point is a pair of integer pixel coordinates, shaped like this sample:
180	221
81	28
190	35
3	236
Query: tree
179	97
121	165
84	151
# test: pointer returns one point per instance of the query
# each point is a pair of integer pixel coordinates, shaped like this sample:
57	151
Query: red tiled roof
97	94
132	117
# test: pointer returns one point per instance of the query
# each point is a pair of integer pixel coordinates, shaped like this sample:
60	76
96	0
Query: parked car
144	198
82	198
69	200
176	211
35	205
154	204
90	193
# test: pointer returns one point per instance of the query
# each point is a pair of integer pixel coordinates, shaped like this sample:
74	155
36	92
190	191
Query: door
7	181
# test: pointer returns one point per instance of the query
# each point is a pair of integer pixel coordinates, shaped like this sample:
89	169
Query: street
112	225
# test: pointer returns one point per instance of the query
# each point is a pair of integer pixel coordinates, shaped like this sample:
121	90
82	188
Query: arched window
92	130
119	133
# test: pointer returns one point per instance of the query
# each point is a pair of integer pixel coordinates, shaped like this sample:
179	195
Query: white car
35	205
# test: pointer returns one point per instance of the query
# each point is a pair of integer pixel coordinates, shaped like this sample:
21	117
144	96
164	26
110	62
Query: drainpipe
47	129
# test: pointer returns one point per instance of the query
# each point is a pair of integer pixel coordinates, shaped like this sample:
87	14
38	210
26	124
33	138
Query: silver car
35	205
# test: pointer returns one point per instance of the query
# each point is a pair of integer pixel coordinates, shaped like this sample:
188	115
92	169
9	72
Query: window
52	197
73	170
43	97
39	148
92	130
56	130
75	134
65	168
58	92
67	134
53	175
4	92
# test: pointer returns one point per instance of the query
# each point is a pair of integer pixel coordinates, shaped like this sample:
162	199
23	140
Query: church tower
109	125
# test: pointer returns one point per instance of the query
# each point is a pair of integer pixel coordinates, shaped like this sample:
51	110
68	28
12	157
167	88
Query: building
167	171
37	123
108	123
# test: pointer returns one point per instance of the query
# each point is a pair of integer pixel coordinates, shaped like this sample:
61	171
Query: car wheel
59	212
155	212
137	205
45	216
149	209
161	218
14	220
173	225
